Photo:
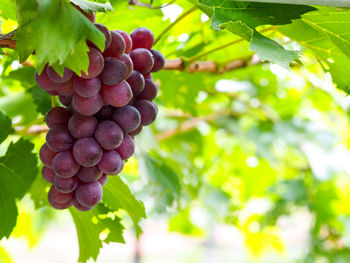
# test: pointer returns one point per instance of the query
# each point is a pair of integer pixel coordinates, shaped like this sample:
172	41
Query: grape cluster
91	135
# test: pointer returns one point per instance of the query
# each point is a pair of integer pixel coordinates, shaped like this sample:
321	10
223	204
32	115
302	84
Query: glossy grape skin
58	197
127	40
81	126
89	174
65	100
117	47
142	60
89	194
65	165
114	71
136	82
150	91
59	139
55	77
80	207
107	35
117	95
87	152
128	63
65	185
48	174
57	116
127	148
105	113
103	179
46	155
147	110
135	132
86	87
109	135
96	64
44	82
110	162
159	60
128	118
142	38
87	106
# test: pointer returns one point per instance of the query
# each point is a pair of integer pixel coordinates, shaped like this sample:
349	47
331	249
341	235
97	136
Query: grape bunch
91	135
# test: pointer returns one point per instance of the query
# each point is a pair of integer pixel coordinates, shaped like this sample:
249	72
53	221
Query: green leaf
5	124
15	181
37	192
94	7
57	32
41	99
25	75
117	195
8	9
89	227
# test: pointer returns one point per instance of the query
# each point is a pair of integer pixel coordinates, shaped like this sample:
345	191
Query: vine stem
182	16
53	101
334	3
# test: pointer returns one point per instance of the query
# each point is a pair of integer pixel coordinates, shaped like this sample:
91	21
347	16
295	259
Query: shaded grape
86	87
96	64
150	91
87	152
136	82
60	206
135	132
117	47
128	63
44	82
117	95
58	197
103	179
114	71
127	148
109	135
65	185
148	76
159	60
128	118
46	155
57	116
55	77
81	126
105	113
80	207
110	162
89	194
65	100
87	106
59	139
66	89
48	174
65	165
127	40
89	174
148	111
142	60
107	34
142	38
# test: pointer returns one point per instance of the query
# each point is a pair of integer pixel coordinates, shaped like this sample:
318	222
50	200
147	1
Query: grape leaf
89	226
25	75
57	32
41	99
15	180
117	195
8	9
94	7
37	192
5	124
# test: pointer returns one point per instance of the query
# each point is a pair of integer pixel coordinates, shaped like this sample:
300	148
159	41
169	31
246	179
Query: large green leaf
15	181
41	99
5	124
94	7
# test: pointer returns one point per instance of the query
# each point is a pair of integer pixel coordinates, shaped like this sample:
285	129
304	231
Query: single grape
59	206
128	63
103	179
65	100
81	126
66	89
80	207
65	185
127	40
55	77
89	194
142	38
148	76
57	116
114	71
87	152
117	95
89	174
59	139
46	155
105	113
127	148
121	167
96	64
58	197
107	34
159	60
65	165
135	132
148	111
128	118
117	47
150	91
86	87
44	82
136	82
87	106
48	174
142	60
110	162
109	135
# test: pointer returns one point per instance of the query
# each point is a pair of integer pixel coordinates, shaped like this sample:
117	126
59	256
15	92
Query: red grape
87	106
81	126
117	95
127	117
57	116
87	152
59	139
142	59
136	82
127	148
117	47
96	64
142	38
65	165
89	194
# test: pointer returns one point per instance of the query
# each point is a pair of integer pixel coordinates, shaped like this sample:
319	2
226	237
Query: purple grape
57	116
65	185
59	139
44	82
46	155
105	113
103	179
128	63
87	106
117	47
66	89
148	76
80	207
135	132
109	135
114	71
96	64
142	60
89	174
136	82
110	162
58	197
89	194
65	165
148	111
65	100
59	206
121	167
87	152
159	60
150	91
127	40
142	38
117	95
55	77
127	148
48	174
86	87
81	126
107	34
52	92
128	118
